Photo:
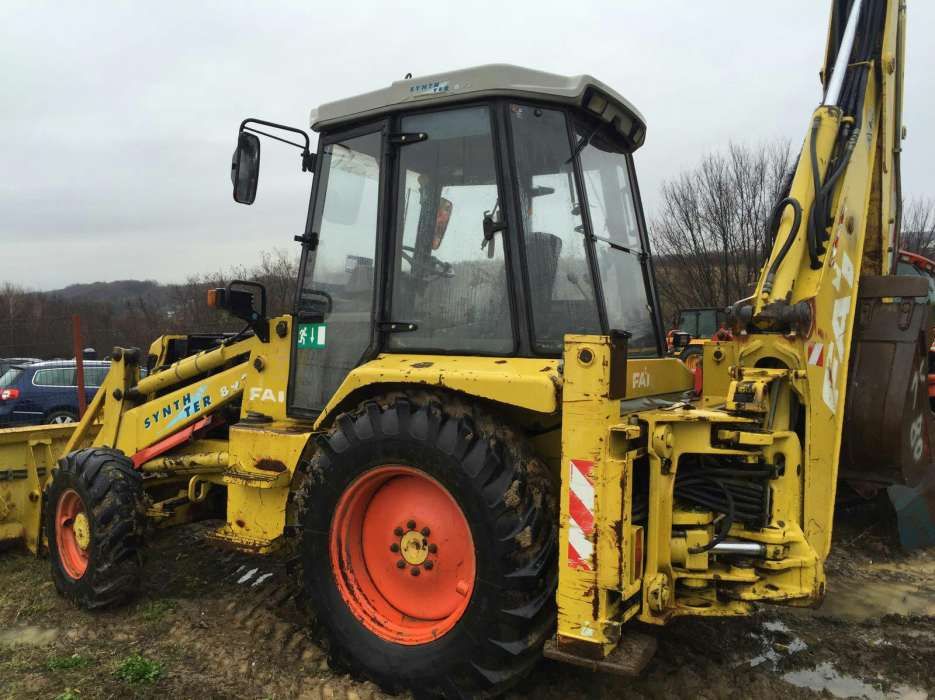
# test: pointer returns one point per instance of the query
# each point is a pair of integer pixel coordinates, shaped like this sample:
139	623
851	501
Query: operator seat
542	253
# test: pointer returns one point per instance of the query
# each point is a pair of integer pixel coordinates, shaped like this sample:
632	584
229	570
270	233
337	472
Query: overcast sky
119	119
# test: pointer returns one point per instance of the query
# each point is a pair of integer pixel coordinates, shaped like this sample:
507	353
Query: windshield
905	268
9	377
701	323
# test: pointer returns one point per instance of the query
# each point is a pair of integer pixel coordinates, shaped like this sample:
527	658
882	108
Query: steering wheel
438	268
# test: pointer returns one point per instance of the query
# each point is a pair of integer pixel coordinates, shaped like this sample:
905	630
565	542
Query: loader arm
708	503
838	226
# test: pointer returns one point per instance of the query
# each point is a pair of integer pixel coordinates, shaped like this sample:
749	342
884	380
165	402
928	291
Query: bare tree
918	227
710	236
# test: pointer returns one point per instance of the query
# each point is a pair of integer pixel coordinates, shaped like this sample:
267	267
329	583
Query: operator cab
481	212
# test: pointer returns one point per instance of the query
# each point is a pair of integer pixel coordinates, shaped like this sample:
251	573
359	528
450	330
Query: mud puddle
826	678
874	599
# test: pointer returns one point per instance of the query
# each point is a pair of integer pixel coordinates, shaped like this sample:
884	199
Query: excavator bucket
27	456
887	442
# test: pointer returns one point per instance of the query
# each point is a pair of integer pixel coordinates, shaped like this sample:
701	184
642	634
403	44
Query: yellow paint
413	547
82	531
523	382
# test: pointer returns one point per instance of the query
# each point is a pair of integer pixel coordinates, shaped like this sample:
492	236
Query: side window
612	210
445	280
560	287
59	376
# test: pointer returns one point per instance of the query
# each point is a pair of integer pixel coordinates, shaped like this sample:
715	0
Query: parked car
46	392
7	362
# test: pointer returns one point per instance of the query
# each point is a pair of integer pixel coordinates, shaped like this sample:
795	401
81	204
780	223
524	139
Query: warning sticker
311	335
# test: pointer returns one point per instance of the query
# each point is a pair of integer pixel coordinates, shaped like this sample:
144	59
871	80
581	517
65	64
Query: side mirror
245	167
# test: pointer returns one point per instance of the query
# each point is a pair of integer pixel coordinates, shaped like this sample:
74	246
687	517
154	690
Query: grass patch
136	669
155	610
69	694
67	663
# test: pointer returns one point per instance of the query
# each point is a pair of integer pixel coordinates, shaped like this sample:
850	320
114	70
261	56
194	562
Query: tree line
131	313
708	238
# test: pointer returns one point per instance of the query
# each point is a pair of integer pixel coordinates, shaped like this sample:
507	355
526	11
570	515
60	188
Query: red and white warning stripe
581	515
816	354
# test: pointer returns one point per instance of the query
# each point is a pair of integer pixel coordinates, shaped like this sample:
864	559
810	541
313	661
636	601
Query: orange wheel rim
72	534
402	555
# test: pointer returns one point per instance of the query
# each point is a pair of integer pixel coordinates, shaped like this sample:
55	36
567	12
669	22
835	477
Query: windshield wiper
584	142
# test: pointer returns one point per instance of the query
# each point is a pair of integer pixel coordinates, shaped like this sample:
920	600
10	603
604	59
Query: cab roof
492	80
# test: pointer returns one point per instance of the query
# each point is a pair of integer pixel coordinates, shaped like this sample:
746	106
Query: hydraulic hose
812	229
725	525
774	220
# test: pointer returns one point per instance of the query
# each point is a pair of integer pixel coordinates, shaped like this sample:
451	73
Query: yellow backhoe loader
468	429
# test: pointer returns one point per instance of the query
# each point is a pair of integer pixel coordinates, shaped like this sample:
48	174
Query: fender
529	383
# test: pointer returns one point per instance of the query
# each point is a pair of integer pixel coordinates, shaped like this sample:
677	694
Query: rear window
9	377
58	376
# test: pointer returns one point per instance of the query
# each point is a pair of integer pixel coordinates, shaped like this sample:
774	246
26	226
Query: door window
333	324
561	291
447	281
618	246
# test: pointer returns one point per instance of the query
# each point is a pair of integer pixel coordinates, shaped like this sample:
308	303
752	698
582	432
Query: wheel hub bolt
414	571
429	565
398	532
401	564
433	548
411	524
394	547
425	531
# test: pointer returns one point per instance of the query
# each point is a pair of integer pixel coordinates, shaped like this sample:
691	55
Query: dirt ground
212	624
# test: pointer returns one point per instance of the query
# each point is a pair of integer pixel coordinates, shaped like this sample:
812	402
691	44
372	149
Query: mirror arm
308	158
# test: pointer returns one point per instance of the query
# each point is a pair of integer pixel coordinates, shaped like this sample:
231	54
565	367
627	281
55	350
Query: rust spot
270	465
422	365
240	523
499	362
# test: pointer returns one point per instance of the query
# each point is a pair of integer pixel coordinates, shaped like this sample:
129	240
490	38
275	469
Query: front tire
428	548
94	526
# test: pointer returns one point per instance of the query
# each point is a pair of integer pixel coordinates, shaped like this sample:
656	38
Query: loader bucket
27	456
888	421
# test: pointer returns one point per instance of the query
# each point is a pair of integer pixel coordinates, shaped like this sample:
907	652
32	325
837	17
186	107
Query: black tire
110	491
506	497
61	416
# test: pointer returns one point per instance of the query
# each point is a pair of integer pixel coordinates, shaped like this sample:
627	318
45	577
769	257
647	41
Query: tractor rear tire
94	525
429	547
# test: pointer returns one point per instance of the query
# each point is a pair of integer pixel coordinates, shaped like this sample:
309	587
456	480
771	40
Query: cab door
338	282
